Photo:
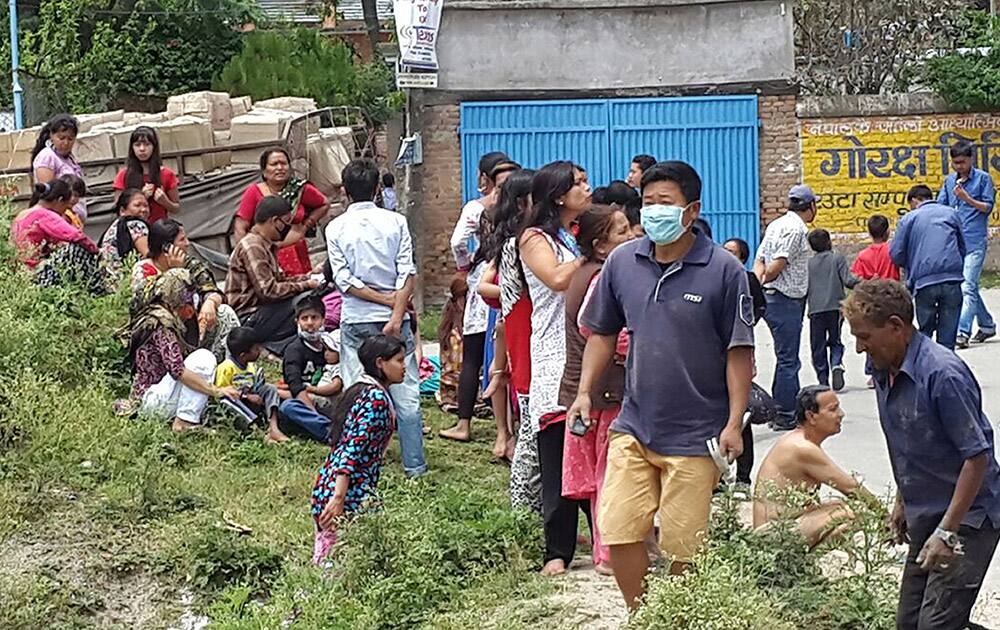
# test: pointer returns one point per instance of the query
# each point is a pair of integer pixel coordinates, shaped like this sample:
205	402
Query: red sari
294	259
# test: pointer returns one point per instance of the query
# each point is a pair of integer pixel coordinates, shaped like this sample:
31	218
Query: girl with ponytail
52	156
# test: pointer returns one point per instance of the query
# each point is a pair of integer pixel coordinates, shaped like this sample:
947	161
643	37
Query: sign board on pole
417	23
416	80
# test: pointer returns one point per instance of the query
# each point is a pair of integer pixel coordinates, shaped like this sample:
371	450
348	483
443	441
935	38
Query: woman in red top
309	203
145	172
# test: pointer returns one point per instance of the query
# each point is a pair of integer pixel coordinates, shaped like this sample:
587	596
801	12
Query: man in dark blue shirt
941	449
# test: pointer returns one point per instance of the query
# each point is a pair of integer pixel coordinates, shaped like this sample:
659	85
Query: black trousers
473	351
558	513
744	463
274	324
943	600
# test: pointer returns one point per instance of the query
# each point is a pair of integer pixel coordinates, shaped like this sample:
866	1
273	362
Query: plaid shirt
256	279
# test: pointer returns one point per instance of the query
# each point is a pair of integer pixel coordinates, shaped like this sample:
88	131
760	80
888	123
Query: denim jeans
405	396
305	419
784	318
973	307
824	339
938	308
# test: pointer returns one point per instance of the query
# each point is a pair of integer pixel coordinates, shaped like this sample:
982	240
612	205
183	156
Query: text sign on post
417	23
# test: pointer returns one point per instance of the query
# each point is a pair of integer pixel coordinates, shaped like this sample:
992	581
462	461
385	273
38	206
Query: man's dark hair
680	173
644	161
241	339
360	177
388	180
819	240
800	205
270	207
310	302
962	148
807	400
920	192
878	227
490	160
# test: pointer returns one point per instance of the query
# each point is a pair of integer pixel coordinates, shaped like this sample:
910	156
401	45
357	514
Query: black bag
761	406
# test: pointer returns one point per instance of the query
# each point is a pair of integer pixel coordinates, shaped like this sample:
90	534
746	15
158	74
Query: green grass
990	279
428	323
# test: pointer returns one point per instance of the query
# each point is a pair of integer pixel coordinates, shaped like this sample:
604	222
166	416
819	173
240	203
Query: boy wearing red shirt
874	260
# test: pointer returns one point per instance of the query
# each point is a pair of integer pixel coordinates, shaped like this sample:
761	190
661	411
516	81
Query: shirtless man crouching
798	461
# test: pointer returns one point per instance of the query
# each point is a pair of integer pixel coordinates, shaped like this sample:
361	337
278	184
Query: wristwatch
948	538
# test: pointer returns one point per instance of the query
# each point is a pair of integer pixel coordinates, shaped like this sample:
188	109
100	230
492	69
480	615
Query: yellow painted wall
864	166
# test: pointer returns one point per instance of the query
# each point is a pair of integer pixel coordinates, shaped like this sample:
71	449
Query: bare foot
508	451
274	434
460	432
554	567
179	426
583	539
604	569
500	447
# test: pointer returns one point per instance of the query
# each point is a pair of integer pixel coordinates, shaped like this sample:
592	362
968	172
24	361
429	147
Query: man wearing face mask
686	305
256	287
782	266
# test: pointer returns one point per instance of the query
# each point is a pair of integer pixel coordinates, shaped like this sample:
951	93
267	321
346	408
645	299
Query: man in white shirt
371	259
782	266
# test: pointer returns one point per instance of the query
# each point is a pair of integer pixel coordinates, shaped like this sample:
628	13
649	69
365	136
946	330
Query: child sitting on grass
240	372
349	477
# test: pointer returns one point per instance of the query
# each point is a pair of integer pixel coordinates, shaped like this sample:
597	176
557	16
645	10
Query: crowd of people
606	333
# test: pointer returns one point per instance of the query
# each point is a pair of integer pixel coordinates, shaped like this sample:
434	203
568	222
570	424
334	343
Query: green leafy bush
969	75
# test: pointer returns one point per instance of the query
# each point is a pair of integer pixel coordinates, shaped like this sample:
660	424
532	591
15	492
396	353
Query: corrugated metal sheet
351	10
300	11
717	135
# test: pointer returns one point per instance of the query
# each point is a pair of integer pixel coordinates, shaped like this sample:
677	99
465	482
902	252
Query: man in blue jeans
928	244
371	259
782	266
971	193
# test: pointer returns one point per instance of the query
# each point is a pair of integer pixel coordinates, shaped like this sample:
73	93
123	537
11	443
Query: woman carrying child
363	424
145	173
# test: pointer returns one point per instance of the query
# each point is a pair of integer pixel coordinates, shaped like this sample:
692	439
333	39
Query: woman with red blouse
309	203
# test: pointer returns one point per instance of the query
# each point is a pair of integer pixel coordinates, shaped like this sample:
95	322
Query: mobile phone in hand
578	428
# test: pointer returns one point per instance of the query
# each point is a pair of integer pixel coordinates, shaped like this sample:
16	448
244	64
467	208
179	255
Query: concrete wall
588	45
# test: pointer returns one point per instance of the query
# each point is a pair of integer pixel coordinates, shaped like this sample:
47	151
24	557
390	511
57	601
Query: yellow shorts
639	482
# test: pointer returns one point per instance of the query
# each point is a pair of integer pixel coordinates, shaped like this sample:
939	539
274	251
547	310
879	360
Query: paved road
860	447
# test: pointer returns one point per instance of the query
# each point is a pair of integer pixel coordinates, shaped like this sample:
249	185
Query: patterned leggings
72	263
525	475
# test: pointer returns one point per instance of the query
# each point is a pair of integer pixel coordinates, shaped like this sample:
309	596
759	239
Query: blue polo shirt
681	322
933	420
974	222
928	243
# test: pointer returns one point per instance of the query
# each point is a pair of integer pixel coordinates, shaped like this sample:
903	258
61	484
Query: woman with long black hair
144	171
550	257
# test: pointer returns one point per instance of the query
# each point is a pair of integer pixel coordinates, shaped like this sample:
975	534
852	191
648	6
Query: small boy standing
874	261
828	279
241	373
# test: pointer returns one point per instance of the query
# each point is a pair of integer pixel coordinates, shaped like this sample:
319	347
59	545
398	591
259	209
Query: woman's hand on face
207	316
176	257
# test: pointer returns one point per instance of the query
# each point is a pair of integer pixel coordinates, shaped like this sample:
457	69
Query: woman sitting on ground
362	426
128	233
168	249
309	207
171	379
48	244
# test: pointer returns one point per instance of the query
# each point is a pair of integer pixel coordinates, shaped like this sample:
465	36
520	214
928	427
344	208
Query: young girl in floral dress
348	480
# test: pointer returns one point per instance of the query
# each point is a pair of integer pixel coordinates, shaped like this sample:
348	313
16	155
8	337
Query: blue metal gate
717	135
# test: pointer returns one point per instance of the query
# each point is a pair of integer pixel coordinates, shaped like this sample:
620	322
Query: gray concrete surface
860	447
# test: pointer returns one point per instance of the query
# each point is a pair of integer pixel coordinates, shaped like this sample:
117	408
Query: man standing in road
929	245
971	193
782	266
941	449
371	258
687	307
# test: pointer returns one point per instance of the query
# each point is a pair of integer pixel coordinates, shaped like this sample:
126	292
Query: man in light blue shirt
371	260
929	245
971	193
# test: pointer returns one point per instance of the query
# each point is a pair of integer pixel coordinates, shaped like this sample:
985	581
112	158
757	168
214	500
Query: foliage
82	54
751	580
849	47
969	76
302	62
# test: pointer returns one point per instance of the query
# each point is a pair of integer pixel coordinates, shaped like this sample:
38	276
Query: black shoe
961	342
838	378
981	336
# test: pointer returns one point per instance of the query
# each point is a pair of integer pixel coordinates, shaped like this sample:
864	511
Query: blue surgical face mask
663	224
314	337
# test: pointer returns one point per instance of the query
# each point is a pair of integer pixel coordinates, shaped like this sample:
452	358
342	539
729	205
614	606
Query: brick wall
436	187
780	161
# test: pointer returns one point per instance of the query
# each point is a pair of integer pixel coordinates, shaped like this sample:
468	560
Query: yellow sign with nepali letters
865	166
